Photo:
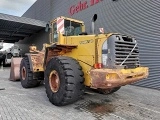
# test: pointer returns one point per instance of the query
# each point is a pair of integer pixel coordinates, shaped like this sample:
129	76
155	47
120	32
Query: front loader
75	59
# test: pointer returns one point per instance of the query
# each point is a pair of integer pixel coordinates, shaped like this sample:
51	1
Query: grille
126	52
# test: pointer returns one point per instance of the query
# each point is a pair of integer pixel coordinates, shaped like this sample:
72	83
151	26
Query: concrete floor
129	103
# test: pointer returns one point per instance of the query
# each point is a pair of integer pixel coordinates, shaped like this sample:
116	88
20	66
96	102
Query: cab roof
67	18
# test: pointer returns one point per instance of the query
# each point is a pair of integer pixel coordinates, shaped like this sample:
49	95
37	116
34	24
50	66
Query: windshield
72	28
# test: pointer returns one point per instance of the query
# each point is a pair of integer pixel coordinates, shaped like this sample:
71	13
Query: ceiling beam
14	34
11	38
10	29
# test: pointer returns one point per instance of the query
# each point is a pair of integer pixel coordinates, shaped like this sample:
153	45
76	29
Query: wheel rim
24	72
54	81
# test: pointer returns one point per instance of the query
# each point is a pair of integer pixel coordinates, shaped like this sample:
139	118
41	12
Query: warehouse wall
139	18
37	39
40	10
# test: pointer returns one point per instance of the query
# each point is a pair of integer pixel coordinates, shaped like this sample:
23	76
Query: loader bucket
15	67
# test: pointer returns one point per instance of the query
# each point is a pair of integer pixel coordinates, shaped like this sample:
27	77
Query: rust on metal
57	50
54	81
50	53
37	62
33	49
110	78
24	73
36	58
15	68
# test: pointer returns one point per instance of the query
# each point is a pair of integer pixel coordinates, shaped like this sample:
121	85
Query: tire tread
29	82
73	77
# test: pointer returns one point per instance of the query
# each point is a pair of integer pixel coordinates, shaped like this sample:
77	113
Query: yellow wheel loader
75	59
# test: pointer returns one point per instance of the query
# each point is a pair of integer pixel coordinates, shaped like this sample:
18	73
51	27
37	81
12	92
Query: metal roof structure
13	28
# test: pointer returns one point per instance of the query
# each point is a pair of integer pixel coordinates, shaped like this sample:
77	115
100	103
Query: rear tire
63	80
108	91
26	75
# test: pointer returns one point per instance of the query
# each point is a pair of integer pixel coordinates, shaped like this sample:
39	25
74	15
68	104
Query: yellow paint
37	62
114	74
135	70
85	53
88	50
111	76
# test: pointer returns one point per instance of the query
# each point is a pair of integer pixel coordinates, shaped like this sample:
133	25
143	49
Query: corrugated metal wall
139	18
40	10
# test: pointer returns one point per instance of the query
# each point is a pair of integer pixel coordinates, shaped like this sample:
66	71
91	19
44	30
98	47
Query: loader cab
65	27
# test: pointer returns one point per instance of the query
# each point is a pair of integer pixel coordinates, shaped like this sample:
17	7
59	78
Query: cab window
72	28
55	34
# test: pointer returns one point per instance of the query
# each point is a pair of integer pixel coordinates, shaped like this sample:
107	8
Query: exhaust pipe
94	18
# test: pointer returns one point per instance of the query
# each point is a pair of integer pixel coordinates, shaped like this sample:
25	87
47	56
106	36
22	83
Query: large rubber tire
108	91
71	80
26	75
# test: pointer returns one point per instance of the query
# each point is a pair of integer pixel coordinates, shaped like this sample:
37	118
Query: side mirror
47	27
